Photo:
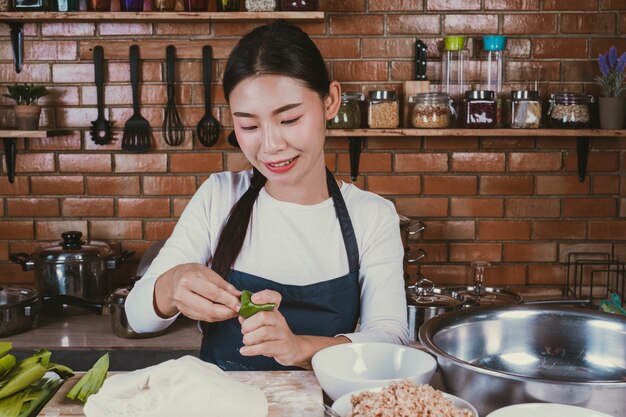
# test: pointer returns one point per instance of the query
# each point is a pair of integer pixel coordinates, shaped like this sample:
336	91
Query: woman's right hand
196	291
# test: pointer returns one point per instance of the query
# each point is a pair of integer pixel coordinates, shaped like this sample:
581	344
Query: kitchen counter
289	393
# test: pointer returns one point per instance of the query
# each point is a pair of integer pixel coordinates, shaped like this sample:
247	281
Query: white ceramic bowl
343	405
545	410
341	369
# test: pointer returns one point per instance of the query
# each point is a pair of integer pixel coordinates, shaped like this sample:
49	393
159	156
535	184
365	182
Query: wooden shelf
154	16
475	132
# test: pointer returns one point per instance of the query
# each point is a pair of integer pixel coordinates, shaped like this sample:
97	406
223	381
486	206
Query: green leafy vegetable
13	405
27	371
45	389
248	308
5	347
7	362
61	370
91	382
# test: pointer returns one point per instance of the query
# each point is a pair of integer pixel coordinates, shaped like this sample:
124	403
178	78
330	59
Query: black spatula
137	134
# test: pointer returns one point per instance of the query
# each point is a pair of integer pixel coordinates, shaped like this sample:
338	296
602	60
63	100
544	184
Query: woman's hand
196	291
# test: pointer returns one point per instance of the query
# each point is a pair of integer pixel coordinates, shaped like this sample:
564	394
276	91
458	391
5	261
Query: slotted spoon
173	130
137	134
101	127
208	129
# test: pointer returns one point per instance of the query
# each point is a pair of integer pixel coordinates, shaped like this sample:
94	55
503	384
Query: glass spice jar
225	5
67	5
299	5
164	5
383	110
349	114
570	111
480	109
431	110
525	109
260	5
29	5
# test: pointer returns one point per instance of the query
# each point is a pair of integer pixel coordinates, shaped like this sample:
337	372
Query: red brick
413	23
143	207
477	162
534	161
612	5
360	71
590	207
547	274
477	207
148	162
394	184
370	163
60	143
50	51
72	73
33	162
178	205
391	143
12	274
67	29
51	230
597	162
33	207
570	5
559	230
115	229
18	187
343	5
519	71
170	185
451	143
124	29
338	47
4	251
31	73
468	252
505	275
514	5
450	230
607	230
453	5
16	229
120	72
196	162
113	185
622	209
388	47
570	248
503	230
85	162
560	48
450	185
532	207
420	162
175	28
119	116
448	275
558	143
579	70
57	185
506	185
75	117
159	230
423	207
88	207
588	23
395	5
470	23
529	24
529	252
605	184
561	185
348	24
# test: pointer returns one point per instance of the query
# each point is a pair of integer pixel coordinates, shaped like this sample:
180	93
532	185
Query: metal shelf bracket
582	150
17	44
355	145
10	152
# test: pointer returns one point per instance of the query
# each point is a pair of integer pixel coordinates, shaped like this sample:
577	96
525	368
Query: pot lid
488	296
424	294
119	295
14	296
73	249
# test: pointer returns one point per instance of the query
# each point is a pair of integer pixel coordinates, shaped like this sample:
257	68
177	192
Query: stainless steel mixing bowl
503	355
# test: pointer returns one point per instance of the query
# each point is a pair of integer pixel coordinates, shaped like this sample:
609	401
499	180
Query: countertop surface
288	393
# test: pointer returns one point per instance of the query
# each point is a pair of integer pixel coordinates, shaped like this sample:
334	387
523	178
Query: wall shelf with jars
582	136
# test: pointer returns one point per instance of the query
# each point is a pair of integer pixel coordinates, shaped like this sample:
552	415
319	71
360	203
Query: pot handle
415	227
117	260
74	301
33	309
23	259
416	255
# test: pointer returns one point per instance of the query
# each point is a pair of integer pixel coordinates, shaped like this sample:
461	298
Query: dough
187	386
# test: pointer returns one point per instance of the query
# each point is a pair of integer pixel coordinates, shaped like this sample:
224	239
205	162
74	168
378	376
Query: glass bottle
383	110
131	5
67	5
525	110
493	71
480	109
455	59
570	111
164	5
299	5
29	5
431	111
349	114
222	5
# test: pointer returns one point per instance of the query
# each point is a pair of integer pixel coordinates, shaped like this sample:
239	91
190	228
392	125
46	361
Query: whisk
173	130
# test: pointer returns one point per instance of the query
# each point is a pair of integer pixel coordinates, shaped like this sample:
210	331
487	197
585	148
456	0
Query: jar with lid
349	114
100	5
431	110
525	109
222	5
131	5
480	109
260	5
30	5
299	5
570	111
67	5
164	5
383	110
493	71
455	60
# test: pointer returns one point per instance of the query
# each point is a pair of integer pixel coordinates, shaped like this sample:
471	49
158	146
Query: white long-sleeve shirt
290	244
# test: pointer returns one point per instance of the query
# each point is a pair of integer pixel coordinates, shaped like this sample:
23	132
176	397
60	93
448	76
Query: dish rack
598	276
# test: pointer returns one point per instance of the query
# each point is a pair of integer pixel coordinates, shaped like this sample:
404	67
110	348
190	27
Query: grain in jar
570	111
260	5
349	114
525	109
431	110
383	110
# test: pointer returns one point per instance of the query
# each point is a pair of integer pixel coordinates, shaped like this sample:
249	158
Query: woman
325	252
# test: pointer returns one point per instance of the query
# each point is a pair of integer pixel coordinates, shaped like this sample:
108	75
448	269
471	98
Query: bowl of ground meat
402	398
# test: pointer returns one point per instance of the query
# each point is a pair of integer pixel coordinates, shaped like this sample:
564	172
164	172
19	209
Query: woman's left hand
267	333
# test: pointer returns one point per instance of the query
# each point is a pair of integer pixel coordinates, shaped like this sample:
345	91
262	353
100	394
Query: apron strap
347	231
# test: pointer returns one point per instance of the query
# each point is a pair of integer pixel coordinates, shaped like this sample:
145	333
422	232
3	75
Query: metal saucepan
494	356
18	307
117	314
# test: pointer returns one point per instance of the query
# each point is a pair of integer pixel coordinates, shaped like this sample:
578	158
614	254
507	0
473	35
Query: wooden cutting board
289	393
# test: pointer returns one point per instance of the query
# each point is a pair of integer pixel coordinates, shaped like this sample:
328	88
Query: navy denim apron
326	308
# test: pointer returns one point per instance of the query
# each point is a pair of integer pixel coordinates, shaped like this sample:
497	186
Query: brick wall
513	201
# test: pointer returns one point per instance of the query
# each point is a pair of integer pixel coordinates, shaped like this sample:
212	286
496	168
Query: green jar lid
454	43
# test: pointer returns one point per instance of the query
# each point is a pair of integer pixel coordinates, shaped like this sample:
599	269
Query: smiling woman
325	252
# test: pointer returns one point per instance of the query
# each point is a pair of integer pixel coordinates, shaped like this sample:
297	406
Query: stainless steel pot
502	355
18	307
73	275
425	301
117	314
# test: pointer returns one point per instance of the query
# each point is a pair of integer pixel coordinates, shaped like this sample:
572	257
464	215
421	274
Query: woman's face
281	127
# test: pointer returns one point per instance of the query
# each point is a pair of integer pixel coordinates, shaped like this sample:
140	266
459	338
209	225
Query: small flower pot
27	117
612	112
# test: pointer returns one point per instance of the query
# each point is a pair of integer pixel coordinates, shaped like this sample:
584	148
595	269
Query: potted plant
27	110
612	105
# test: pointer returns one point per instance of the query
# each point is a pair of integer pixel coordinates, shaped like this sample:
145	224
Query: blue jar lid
494	42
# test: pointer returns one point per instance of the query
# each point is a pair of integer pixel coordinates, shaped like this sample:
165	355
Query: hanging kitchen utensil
419	84
208	129
101	127
137	134
173	131
232	140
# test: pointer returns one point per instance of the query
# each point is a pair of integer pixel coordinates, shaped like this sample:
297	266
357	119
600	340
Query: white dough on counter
187	386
